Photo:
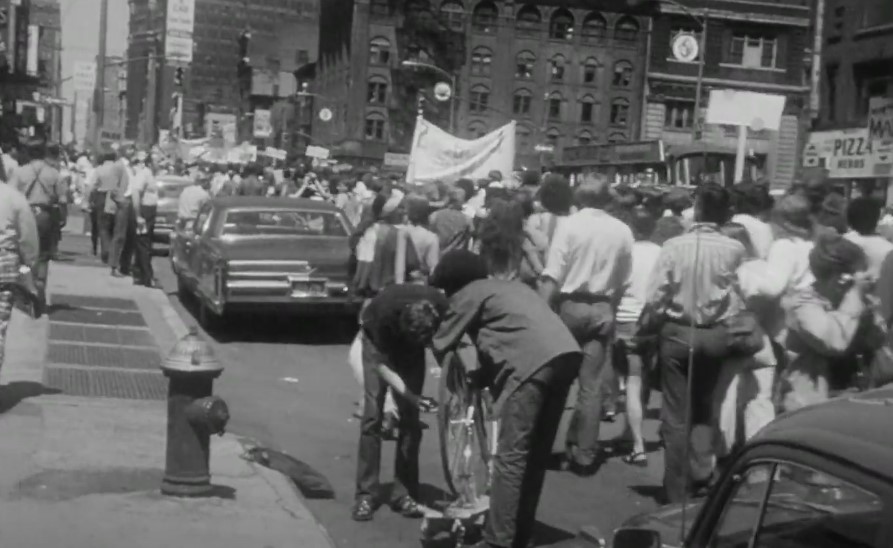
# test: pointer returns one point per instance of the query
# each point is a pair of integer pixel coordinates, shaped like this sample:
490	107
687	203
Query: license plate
307	289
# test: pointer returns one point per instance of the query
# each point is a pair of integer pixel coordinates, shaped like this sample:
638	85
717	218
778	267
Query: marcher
119	204
103	181
452	227
863	215
426	243
144	196
19	247
191	201
397	325
528	360
588	268
47	193
750	203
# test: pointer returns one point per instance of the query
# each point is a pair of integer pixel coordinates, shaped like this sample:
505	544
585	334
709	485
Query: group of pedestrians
731	303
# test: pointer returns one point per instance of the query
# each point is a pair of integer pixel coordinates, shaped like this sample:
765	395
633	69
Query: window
481	62
584	138
528	21
679	114
623	74
479	99
798	507
476	130
380	7
483	19
522	137
379	51
556	68
626	30
619	112
453	14
595	27
587	109
525	63
553	106
375	127
753	51
377	91
283	222
591	71
553	136
521	102
617	138
561	27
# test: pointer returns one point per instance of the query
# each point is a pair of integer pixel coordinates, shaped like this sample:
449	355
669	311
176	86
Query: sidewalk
83	424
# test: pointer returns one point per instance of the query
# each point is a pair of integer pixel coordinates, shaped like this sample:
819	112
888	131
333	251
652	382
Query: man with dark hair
397	325
452	226
103	182
426	243
751	202
692	285
863	215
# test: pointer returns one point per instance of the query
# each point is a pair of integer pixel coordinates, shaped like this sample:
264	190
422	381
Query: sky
80	35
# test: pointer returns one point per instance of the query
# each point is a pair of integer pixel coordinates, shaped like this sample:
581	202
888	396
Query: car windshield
283	222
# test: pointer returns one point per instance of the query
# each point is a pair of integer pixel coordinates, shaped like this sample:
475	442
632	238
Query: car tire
212	323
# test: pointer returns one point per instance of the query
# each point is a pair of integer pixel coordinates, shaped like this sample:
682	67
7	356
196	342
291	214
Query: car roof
233	202
178	179
854	428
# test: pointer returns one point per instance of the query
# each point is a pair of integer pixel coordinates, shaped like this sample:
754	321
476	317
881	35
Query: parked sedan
169	189
280	255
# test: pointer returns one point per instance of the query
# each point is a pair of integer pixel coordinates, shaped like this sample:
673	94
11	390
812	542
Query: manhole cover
84	301
97	317
102	356
102	335
97	383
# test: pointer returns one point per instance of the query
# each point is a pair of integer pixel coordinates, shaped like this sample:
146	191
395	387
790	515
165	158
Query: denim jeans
121	253
142	263
709	352
528	425
592	324
406	466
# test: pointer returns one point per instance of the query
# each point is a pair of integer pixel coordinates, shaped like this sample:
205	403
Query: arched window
525	64
627	29
623	74
592	71
476	130
595	27
377	91
584	138
521	102
483	19
375	127
528	20
479	99
380	7
554	102
587	109
617	138
619	112
561	27
522	137
453	14
481	61
379	51
556	68
415	7
553	135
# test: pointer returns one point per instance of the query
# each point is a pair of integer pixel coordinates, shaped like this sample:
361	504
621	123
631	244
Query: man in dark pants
144	201
528	359
693	284
46	191
396	325
120	204
105	179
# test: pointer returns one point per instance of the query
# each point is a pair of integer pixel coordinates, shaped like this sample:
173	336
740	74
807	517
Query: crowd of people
732	303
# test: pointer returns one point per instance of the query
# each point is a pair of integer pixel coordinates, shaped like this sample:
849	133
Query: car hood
326	255
667	521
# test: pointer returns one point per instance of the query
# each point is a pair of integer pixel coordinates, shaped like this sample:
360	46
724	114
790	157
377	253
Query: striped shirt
694	275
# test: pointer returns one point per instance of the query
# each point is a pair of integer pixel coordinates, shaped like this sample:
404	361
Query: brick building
568	73
761	46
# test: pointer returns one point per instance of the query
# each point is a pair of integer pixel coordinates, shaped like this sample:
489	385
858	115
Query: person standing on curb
47	193
144	200
118	204
19	246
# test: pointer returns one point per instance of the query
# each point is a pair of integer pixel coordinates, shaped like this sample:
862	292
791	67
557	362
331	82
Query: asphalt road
288	386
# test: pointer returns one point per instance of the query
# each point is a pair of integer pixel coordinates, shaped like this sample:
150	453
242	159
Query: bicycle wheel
462	428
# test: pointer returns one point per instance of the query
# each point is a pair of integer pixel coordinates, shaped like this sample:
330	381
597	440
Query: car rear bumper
162	233
303	306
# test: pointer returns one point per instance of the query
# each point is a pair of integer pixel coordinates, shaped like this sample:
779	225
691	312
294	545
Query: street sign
325	114
84	76
263	129
178	43
320	153
811	155
851	154
880	118
544	148
685	47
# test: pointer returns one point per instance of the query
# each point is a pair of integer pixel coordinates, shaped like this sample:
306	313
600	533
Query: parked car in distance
278	255
169	189
818	477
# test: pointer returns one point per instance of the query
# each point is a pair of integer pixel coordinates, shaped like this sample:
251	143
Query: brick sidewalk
82	416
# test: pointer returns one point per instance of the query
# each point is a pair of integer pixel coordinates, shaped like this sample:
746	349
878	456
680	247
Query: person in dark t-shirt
398	324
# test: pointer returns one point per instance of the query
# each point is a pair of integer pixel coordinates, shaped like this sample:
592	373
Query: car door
203	256
189	249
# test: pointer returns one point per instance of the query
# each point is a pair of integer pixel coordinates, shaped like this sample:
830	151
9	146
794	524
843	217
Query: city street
289	386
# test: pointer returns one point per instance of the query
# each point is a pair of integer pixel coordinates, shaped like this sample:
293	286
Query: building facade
114	120
46	15
566	72
755	46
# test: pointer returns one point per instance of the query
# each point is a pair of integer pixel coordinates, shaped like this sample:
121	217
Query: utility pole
151	94
99	93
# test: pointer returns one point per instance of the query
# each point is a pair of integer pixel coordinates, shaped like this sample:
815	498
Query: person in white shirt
192	199
144	197
750	203
633	356
588	267
863	215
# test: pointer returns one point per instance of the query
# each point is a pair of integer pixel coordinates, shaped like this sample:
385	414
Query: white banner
178	30
758	111
274	153
438	156
84	76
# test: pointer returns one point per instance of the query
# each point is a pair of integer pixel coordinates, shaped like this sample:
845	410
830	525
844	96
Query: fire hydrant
193	414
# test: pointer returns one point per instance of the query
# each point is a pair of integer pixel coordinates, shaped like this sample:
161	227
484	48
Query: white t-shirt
760	233
645	255
875	247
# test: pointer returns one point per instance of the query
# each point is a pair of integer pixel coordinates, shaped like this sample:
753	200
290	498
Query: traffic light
178	77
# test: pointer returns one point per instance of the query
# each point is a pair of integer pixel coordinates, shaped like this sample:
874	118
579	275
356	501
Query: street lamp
450	77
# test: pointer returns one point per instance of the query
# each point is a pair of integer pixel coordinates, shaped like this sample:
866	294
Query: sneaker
363	509
407	507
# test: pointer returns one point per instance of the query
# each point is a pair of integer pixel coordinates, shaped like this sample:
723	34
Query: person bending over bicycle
397	325
528	360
